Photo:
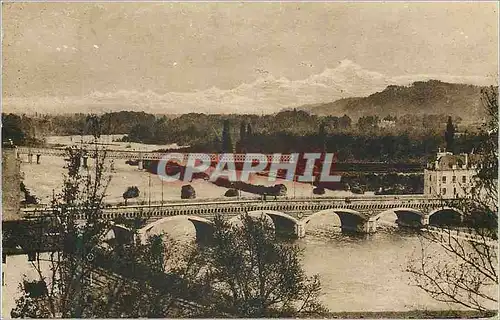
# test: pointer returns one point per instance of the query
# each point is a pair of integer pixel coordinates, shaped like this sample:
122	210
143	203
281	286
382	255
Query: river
363	273
357	273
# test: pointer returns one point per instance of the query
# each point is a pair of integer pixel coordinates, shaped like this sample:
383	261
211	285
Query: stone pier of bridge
300	230
425	221
30	158
370	226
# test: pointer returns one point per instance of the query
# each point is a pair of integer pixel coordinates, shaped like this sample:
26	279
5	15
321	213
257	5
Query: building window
454	191
3	278
444	178
430	178
430	190
454	178
4	258
443	191
464	179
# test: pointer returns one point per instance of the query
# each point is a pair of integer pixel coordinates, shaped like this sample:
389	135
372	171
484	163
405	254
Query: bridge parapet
360	214
298	208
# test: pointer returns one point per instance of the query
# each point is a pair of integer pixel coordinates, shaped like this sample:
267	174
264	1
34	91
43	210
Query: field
46	178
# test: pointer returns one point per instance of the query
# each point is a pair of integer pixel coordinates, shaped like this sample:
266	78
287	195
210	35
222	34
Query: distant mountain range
422	97
269	94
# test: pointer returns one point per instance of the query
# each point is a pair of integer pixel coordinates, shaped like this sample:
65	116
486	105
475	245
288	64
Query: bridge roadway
135	155
361	213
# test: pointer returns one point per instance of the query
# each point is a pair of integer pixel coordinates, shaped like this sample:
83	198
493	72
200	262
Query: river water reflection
364	273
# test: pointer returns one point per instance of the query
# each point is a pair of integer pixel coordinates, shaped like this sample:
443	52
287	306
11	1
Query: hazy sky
177	56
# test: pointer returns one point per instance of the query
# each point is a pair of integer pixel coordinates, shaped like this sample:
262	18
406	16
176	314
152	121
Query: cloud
265	95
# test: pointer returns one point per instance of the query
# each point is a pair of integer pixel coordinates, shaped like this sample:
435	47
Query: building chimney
466	160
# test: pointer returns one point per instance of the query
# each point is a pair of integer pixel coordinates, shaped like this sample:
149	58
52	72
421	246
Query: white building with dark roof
451	176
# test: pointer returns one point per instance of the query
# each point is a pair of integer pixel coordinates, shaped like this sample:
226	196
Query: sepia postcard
250	159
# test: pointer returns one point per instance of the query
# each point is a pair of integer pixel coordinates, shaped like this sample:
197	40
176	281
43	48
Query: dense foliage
369	138
131	192
19	130
255	275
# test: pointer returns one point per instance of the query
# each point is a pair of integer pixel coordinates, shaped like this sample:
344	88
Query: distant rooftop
449	161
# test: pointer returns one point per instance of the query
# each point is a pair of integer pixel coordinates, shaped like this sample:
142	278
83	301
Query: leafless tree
69	234
87	276
460	265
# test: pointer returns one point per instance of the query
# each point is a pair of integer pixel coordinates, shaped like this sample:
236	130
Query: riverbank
415	314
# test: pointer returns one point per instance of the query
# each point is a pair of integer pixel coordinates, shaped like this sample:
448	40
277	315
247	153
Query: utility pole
312	188
81	139
149	186
162	192
294	178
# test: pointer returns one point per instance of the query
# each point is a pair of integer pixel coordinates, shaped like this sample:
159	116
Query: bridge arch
446	216
119	235
123	234
203	227
283	223
404	217
274	213
350	220
237	219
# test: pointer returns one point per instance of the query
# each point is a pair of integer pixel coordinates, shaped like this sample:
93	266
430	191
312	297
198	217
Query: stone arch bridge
355	214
